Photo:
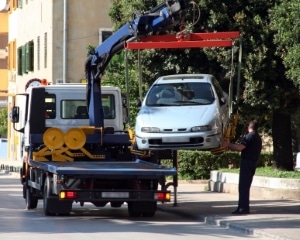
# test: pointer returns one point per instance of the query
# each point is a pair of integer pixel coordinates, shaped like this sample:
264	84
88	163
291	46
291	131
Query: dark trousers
247	171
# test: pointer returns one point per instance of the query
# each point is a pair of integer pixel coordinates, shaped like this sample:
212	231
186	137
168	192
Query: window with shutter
20	61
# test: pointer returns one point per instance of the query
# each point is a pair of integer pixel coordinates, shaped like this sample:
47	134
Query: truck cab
63	106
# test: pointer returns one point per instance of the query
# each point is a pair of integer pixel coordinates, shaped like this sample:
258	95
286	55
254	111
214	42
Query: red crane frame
180	40
190	40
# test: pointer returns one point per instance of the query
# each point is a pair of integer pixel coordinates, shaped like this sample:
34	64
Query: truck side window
108	102
73	109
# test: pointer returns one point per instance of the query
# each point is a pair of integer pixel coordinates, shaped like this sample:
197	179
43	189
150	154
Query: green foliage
268	172
195	165
263	82
266	86
285	21
3	122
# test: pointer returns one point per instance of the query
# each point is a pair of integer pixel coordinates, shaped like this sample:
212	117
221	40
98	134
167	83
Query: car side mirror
15	115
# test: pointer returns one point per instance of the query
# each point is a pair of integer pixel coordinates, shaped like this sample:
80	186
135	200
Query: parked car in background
3	148
186	111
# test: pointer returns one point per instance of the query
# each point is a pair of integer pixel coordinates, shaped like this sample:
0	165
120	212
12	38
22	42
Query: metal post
231	80
127	85
239	70
140	76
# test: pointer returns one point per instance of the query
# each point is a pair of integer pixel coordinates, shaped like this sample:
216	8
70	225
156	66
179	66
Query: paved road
274	219
98	223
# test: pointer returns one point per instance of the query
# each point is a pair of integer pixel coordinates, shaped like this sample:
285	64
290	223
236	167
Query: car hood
177	117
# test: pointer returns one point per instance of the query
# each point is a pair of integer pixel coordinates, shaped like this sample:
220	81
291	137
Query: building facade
49	40
3	55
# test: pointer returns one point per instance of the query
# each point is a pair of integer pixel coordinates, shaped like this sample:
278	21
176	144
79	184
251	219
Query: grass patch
268	172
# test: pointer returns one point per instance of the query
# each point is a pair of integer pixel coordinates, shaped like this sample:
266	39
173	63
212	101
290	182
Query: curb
238	227
4	167
223	223
4	172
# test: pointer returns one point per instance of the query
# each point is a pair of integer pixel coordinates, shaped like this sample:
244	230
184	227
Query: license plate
174	140
115	194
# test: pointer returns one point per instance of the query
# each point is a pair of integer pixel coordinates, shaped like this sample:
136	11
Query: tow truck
70	159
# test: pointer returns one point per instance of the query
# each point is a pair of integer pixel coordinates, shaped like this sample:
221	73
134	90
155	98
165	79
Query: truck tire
52	205
133	211
31	201
47	193
149	209
145	209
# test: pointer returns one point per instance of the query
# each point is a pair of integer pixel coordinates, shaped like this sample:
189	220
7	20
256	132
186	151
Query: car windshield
176	94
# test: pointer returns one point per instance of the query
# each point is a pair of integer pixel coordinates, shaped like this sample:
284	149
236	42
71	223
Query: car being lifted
183	111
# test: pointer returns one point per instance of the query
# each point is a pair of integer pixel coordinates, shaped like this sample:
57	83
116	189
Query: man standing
250	149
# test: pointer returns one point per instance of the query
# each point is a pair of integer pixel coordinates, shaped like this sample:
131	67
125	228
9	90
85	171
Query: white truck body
68	98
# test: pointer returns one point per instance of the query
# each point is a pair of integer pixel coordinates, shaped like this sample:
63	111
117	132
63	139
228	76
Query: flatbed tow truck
69	158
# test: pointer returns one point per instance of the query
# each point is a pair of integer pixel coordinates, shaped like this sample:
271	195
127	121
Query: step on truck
74	146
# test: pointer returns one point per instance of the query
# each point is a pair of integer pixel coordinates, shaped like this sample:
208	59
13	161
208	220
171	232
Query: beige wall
37	17
83	23
3	80
3	72
4	21
84	18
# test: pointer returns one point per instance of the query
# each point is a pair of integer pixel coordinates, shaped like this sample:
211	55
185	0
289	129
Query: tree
282	136
265	89
286	22
264	85
3	122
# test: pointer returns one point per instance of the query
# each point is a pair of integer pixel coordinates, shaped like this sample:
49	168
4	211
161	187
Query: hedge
196	165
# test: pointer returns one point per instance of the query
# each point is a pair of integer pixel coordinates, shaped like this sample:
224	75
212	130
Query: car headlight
201	128
150	129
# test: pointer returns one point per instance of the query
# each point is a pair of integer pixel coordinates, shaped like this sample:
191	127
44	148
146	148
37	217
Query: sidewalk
277	219
273	219
9	165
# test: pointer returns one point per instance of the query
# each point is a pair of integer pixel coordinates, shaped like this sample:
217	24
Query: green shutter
31	56
20	61
23	59
20	3
27	57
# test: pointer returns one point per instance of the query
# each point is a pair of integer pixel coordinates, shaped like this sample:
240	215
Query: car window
175	94
218	88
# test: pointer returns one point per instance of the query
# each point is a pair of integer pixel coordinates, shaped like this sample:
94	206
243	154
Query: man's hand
225	143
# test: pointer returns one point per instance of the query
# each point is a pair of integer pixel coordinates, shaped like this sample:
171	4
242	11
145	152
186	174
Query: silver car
186	111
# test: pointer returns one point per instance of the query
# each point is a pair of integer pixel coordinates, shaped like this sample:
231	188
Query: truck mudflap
105	169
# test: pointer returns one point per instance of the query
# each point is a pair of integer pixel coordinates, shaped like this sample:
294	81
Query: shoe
241	211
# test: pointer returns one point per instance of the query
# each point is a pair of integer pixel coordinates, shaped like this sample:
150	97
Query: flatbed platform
106	169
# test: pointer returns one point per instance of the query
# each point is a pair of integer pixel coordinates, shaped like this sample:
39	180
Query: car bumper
199	140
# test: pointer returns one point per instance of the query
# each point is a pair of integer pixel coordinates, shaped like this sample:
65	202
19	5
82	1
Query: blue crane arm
165	15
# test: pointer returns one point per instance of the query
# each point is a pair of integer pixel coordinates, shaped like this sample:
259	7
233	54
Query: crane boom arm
163	16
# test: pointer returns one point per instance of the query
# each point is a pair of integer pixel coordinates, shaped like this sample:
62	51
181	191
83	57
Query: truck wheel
145	209
46	197
150	208
31	201
132	211
52	205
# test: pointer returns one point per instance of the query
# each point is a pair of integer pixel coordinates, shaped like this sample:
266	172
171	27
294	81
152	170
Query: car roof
184	77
